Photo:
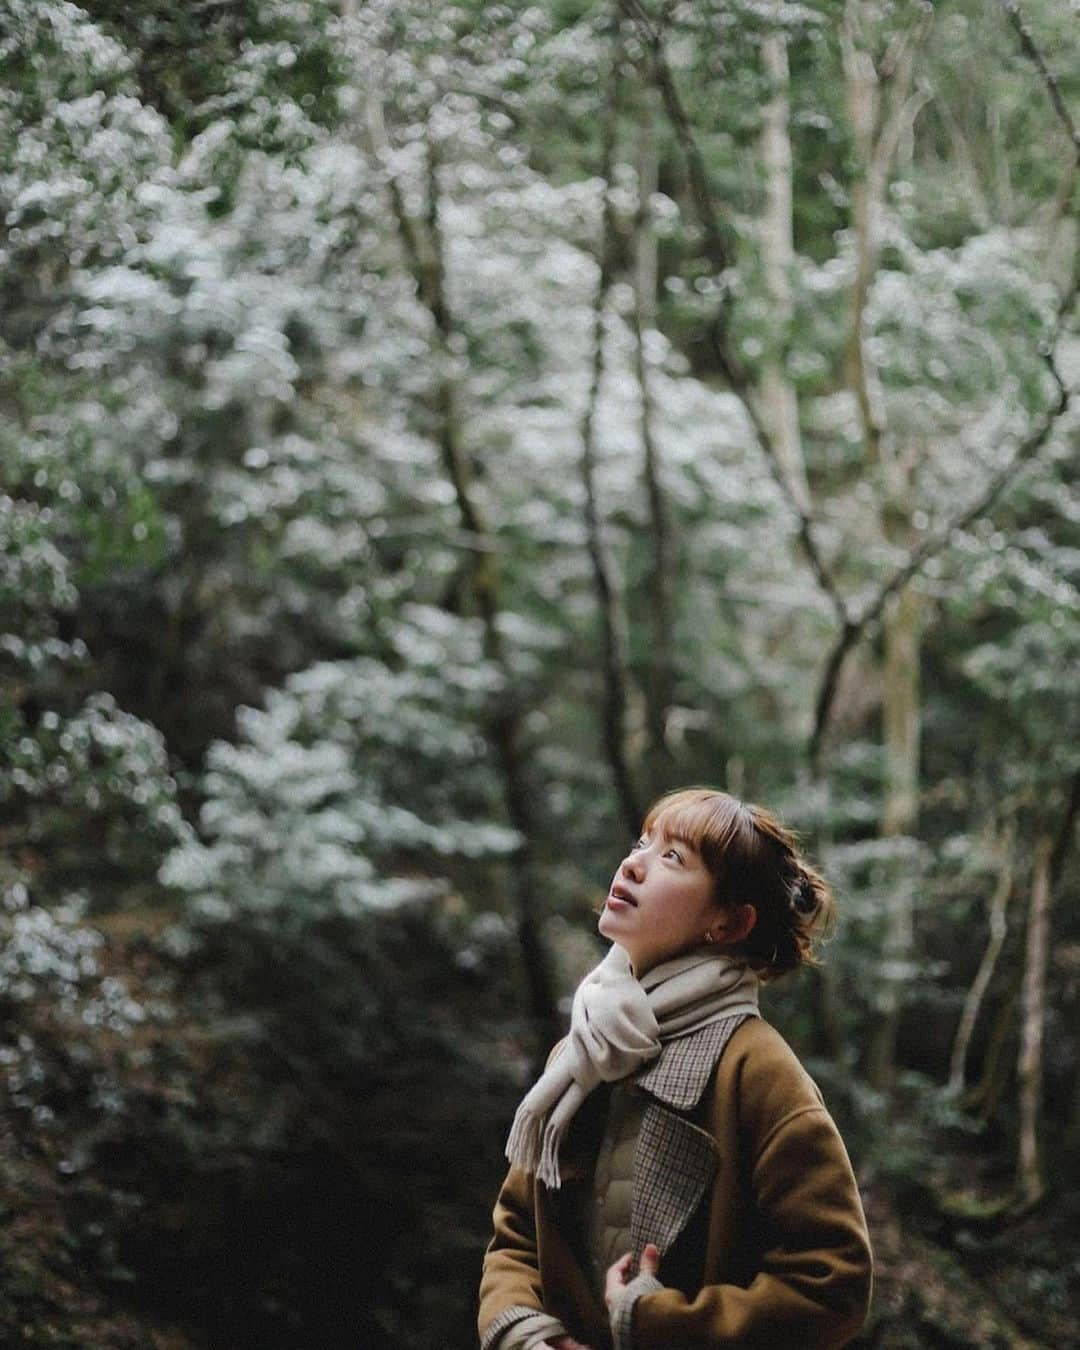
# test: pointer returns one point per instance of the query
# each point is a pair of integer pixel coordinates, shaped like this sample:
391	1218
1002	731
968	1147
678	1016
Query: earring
709	937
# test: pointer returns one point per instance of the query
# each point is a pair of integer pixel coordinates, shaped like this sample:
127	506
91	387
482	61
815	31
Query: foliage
259	265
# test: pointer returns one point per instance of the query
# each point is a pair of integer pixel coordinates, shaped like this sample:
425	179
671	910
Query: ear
737	925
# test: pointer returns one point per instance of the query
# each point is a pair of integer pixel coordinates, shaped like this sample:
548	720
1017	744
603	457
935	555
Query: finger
650	1258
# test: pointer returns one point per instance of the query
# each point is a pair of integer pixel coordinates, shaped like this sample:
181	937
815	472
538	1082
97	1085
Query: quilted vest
609	1211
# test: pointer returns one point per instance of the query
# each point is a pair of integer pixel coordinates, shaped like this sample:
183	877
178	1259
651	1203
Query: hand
617	1276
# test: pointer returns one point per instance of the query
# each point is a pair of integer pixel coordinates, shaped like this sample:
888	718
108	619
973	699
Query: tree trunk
1049	861
998	928
877	124
1072	1132
780	409
1030	1184
863	98
659	683
985	1096
900	719
422	245
876	136
612	626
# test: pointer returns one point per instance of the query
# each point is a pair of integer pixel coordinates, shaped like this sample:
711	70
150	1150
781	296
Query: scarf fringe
534	1146
548	1171
523	1143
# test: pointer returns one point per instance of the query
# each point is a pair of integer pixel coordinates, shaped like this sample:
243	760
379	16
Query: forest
431	431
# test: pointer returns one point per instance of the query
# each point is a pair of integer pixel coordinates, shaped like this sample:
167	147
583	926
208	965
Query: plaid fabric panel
675	1160
679	1073
499	1323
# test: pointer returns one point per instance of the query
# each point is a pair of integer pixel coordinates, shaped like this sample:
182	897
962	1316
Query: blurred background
430	431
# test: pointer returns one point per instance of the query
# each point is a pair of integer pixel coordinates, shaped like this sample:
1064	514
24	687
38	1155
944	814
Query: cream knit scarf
617	1024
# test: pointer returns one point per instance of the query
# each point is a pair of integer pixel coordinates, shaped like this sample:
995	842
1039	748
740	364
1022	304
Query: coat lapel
675	1160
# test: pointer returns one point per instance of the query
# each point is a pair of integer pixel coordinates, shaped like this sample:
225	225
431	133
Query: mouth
620	898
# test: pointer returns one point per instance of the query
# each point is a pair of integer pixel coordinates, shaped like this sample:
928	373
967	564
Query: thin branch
1030	1176
720	253
962	150
447	537
1049	78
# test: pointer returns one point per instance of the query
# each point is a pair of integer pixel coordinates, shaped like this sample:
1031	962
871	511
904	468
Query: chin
603	929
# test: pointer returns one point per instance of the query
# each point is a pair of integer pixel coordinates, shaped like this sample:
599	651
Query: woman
675	1178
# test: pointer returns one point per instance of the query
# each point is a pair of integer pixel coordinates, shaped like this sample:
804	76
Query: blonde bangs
704	818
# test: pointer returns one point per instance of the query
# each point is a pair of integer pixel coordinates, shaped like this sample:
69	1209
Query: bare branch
1049	78
716	243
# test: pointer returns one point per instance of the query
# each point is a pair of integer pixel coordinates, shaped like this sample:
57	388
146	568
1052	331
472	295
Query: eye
676	852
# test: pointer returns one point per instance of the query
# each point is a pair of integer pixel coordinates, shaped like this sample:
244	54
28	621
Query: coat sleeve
510	1285
812	1285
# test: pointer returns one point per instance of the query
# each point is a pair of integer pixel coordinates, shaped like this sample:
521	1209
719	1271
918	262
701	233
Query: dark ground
184	1191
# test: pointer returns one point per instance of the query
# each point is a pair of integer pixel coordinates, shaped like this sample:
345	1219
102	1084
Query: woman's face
660	903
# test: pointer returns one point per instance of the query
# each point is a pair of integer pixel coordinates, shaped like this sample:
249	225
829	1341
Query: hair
754	860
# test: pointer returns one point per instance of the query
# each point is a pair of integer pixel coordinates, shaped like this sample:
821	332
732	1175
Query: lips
621	893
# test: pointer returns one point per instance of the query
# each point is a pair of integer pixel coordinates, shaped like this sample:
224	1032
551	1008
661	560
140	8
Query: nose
631	865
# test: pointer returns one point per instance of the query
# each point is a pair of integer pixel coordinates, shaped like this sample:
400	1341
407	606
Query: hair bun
804	899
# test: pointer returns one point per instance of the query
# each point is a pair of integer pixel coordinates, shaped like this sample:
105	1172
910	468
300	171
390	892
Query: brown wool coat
761	1230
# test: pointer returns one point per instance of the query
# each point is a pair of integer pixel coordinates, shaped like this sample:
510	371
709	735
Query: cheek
698	904
685	912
